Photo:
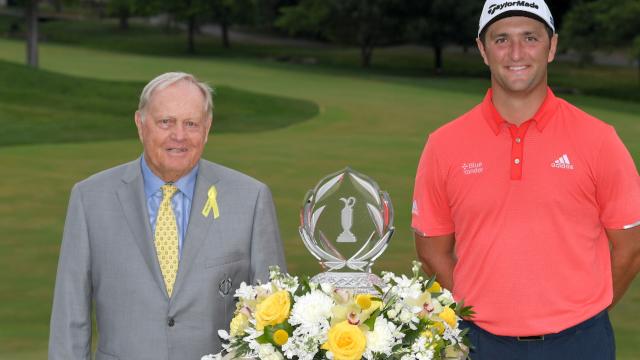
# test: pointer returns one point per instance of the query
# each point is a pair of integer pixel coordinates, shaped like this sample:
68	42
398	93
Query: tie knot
168	190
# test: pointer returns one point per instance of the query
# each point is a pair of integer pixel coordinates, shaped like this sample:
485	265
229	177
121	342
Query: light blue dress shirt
181	201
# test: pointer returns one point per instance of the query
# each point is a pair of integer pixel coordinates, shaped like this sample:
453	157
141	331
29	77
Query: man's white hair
167	79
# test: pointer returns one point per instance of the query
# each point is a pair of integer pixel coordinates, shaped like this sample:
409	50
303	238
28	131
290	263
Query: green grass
376	124
44	107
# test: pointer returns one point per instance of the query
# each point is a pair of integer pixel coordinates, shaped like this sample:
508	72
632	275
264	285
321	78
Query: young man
528	207
160	243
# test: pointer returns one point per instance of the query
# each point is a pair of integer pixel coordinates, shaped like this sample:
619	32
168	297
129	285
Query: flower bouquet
410	318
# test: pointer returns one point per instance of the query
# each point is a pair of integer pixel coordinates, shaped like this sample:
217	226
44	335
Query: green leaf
371	321
378	289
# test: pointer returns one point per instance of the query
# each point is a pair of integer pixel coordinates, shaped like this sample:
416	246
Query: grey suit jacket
108	260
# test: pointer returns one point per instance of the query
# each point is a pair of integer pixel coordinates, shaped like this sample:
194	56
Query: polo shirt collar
541	117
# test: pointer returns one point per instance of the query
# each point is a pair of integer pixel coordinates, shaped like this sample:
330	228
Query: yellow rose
435	287
345	341
449	316
238	324
273	310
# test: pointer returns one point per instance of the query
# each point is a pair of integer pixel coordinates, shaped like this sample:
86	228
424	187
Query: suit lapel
199	226
134	207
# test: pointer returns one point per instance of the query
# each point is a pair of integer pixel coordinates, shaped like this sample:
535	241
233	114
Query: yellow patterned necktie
166	238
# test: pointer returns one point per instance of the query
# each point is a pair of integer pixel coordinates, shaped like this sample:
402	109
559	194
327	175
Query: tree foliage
438	23
229	12
603	24
125	9
585	28
366	23
188	11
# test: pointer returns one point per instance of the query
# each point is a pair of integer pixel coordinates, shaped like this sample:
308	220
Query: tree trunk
31	17
224	26
123	15
366	53
191	33
57	5
437	57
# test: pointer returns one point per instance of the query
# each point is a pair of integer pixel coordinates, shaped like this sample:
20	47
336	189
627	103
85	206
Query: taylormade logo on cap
494	10
494	7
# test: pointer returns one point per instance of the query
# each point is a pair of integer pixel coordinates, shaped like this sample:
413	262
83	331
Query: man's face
174	130
517	50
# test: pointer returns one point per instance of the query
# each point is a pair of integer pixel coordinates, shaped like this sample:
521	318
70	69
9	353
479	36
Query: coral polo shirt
529	206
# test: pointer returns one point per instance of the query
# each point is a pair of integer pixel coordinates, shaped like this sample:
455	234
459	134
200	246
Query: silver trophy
346	223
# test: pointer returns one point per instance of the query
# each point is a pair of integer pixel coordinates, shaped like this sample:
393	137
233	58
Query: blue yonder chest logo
497	7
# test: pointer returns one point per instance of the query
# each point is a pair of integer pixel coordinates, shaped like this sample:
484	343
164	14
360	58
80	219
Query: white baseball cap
495	10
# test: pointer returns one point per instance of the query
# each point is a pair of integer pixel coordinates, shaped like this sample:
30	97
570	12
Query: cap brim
511	13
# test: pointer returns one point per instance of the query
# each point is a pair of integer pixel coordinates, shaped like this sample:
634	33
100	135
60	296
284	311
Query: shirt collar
541	117
152	183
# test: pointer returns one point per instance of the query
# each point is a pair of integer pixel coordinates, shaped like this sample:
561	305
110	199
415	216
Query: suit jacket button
171	322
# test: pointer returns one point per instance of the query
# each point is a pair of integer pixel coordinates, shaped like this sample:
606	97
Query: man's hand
438	257
625	259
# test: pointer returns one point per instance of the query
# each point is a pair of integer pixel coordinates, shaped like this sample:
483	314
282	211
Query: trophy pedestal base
354	282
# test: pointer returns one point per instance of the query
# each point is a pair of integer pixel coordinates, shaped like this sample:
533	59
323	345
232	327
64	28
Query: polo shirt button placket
517	153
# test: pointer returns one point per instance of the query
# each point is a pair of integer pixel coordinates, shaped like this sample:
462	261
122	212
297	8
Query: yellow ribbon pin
212	203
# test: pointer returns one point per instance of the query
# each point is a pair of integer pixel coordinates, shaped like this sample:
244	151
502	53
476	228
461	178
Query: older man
527	207
158	245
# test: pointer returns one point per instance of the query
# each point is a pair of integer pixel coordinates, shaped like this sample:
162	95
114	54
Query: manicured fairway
377	125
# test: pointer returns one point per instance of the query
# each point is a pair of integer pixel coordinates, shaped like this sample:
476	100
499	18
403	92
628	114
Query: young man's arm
437	256
625	259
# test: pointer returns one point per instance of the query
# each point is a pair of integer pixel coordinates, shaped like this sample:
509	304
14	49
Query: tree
623	27
366	23
584	28
124	9
228	12
31	19
635	49
267	12
438	23
603	24
188	11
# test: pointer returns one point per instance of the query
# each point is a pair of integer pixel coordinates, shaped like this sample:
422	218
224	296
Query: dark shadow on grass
39	106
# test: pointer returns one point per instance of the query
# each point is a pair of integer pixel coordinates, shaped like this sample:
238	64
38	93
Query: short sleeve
617	185
431	213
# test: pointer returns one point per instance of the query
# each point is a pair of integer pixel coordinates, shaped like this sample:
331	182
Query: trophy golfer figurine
347	220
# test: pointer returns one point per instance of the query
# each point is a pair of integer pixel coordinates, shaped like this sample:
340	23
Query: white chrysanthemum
420	350
392	314
305	341
311	309
406	316
446	298
425	355
452	335
268	352
285	282
245	292
381	340
408	288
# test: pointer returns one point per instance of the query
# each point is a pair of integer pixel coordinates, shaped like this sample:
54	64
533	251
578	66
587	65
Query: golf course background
300	123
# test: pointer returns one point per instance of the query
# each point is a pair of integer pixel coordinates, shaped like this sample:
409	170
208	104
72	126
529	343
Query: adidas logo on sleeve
562	162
